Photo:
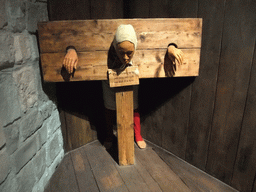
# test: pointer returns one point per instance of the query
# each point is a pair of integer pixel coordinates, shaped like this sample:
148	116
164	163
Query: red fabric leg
137	127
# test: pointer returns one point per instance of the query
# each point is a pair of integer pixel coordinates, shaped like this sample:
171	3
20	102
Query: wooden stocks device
92	40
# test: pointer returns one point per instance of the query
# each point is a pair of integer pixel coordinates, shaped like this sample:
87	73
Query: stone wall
31	143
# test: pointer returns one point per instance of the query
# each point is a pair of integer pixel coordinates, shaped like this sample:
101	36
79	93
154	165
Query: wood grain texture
104	169
136	8
174	9
133	179
92	39
175	120
128	77
83	172
111	9
69	10
93	65
79	130
175	108
245	168
233	81
204	86
151	183
125	125
90	35
162	174
194	178
64	176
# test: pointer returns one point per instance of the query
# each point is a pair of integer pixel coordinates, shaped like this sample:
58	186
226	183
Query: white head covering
125	33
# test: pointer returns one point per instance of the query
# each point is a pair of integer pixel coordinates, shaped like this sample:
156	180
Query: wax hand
70	61
175	55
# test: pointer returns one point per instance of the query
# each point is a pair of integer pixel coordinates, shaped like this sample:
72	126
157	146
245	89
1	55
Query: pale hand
70	61
175	55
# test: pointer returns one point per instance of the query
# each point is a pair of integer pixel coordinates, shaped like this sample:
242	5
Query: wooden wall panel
204	87
233	80
136	8
106	9
68	10
176	110
82	105
174	8
245	167
174	95
79	130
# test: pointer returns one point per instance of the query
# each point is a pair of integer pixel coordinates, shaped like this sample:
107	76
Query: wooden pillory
92	40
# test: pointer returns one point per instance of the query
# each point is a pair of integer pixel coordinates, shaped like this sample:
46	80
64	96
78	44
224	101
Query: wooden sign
92	40
127	77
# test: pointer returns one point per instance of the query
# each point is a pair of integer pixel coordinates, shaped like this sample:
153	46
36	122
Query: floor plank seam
150	175
71	157
140	174
173	171
116	165
92	168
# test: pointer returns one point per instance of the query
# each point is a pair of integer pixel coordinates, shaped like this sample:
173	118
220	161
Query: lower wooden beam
125	132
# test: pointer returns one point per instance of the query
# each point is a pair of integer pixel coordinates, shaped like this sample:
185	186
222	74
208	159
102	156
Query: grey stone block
46	109
52	168
42	132
10	184
12	137
54	123
38	188
6	51
30	123
23	47
34	48
36	12
26	178
2	137
25	153
39	162
4	165
54	146
3	16
16	11
10	108
26	82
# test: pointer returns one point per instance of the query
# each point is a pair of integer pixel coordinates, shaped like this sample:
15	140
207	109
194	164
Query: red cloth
137	127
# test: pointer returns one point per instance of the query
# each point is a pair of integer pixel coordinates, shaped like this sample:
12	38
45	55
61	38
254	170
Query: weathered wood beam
125	124
93	65
92	39
89	35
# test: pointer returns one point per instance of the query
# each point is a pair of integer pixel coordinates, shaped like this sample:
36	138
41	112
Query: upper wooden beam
92	39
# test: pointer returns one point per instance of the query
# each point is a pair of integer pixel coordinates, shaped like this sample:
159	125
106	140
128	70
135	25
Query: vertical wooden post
125	133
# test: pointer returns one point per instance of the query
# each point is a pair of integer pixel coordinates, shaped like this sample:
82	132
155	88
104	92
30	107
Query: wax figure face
125	51
125	43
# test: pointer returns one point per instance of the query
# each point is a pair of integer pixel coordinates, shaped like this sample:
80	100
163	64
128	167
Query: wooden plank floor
92	168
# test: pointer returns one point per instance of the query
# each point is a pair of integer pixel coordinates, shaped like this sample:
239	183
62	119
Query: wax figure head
125	43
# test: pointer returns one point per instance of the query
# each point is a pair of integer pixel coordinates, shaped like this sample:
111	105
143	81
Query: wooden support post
124	107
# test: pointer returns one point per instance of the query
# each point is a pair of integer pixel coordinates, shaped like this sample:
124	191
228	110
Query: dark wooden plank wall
209	120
